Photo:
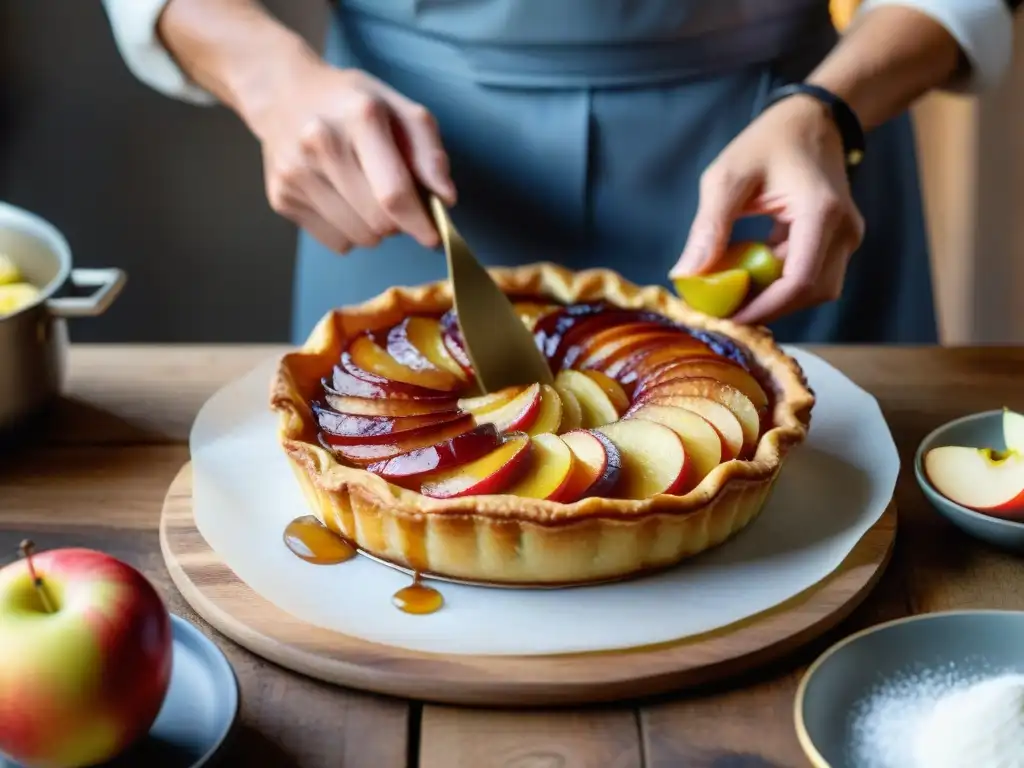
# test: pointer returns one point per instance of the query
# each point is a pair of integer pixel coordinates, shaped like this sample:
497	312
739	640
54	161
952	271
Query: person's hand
787	164
345	156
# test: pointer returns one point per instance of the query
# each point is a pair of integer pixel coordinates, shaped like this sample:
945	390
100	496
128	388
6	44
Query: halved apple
611	388
596	407
740	405
653	459
451	452
720	369
700	440
717	415
518	414
549	471
351	429
572	413
596	468
718	294
491	473
549	415
978	478
366	355
417	342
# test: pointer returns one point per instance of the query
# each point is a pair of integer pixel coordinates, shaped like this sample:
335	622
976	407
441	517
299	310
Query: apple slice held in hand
653	459
596	467
718	294
700	440
491	473
549	470
978	478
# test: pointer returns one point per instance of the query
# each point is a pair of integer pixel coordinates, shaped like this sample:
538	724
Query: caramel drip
310	540
418	598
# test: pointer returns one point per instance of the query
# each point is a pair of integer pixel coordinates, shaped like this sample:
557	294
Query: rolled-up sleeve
983	29
134	25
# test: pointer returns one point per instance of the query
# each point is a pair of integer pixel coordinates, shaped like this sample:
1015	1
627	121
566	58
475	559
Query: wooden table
96	474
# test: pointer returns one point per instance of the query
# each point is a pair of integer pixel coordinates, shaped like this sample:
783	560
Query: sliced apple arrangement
640	406
985	480
747	269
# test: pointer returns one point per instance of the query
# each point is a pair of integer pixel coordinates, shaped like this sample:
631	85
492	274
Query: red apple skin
350	429
461	449
81	685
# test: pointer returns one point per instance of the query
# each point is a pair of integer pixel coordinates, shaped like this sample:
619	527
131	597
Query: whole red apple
85	658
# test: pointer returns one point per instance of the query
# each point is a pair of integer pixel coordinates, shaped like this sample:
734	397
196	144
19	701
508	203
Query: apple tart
660	438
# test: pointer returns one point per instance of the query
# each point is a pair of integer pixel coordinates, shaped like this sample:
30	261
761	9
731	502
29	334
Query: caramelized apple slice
651	358
417	343
611	388
717	415
366	355
364	454
347	384
596	467
483	403
489	474
549	415
530	312
369	406
591	344
351	429
572	414
452	452
549	470
653	459
613	352
740	405
720	369
516	415
700	440
596	407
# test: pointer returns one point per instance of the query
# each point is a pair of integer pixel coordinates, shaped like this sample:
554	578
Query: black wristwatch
851	132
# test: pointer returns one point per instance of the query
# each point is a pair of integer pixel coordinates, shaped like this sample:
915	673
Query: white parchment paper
831	491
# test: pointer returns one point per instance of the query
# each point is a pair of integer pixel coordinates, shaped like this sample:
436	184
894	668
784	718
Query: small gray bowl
971	644
981	430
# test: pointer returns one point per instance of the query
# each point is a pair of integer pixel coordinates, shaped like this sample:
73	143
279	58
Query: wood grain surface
220	597
95	473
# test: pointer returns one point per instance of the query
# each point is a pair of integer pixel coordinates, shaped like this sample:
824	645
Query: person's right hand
345	155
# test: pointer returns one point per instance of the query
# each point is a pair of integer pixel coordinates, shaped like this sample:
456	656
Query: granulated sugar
941	719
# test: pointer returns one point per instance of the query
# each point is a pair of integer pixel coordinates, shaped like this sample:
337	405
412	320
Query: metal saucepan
34	340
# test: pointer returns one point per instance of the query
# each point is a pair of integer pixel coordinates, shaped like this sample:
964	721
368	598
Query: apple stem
27	548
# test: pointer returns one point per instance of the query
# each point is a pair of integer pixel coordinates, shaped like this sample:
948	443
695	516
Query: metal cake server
500	347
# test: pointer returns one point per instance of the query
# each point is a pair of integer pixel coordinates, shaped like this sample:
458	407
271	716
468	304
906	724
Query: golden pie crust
502	539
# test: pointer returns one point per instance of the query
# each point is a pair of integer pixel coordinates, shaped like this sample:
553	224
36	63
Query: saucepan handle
108	283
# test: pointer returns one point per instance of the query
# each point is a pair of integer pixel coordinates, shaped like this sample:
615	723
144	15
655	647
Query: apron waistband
613	64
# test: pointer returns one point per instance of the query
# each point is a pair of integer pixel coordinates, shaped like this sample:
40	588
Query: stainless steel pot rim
108	282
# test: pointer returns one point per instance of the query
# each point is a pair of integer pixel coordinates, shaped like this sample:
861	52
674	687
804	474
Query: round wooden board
227	603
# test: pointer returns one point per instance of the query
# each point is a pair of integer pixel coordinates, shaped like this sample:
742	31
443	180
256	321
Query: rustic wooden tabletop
96	472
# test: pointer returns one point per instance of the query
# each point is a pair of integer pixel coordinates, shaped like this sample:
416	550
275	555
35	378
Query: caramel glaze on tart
661	438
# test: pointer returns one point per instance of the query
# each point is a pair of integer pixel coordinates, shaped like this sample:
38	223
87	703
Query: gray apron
578	130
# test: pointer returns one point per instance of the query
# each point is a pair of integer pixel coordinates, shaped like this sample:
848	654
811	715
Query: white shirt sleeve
134	25
983	28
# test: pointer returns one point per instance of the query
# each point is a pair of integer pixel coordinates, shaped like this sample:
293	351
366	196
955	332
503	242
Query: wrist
826	120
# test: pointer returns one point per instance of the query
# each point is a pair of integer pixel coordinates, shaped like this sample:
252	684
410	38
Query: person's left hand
787	164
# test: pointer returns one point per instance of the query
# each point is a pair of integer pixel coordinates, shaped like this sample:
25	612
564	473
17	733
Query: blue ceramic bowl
981	430
842	683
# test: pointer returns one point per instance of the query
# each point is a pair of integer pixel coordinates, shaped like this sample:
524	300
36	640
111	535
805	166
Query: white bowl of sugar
938	690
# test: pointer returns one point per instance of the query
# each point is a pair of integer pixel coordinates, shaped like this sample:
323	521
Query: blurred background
174	195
